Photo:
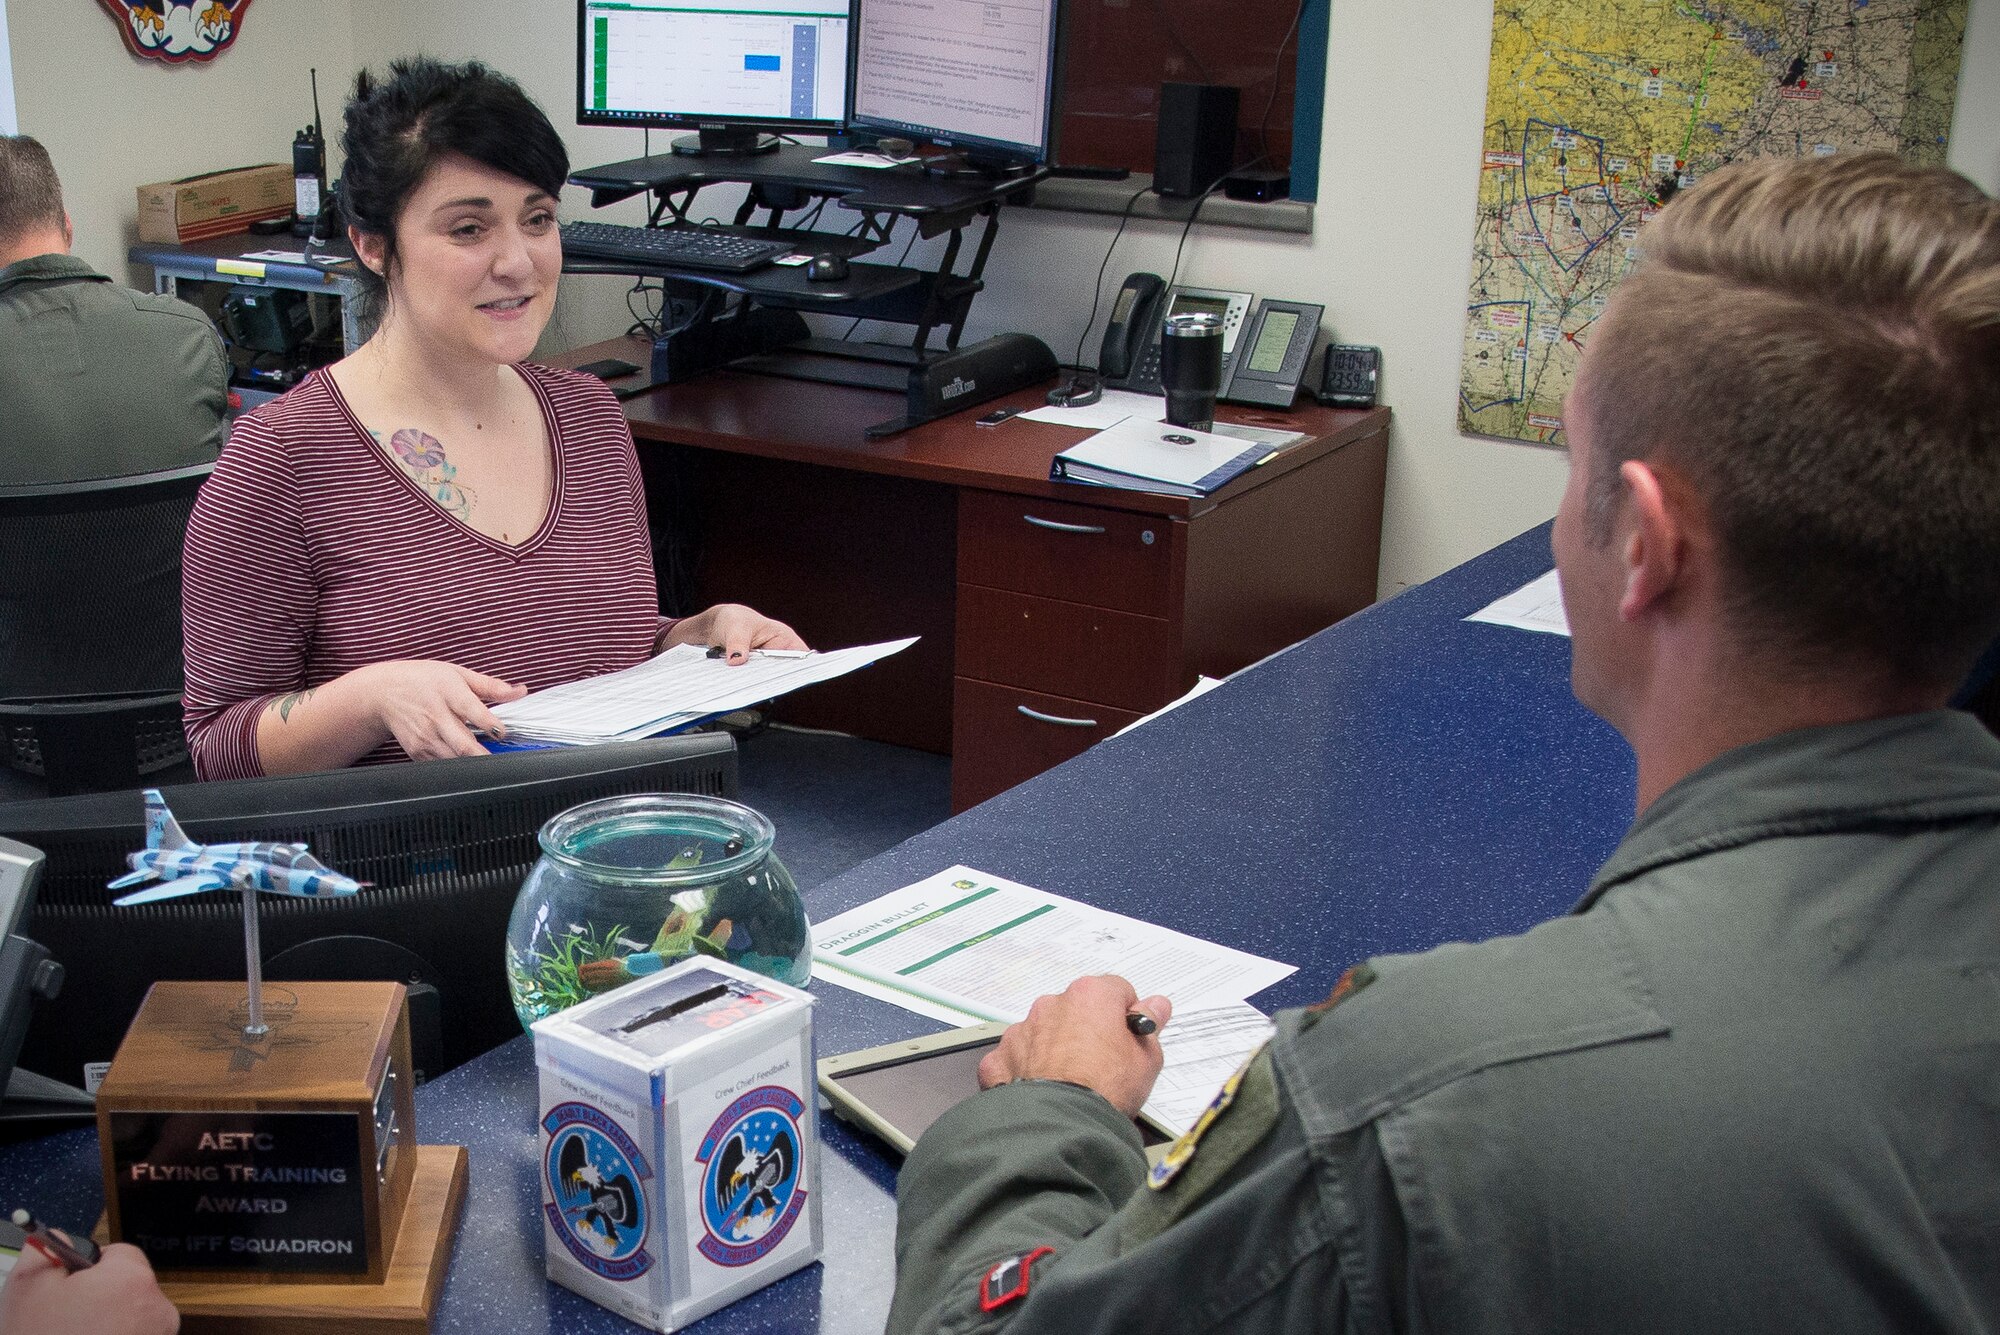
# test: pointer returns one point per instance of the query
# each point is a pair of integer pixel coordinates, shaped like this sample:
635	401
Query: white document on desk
988	947
1113	408
1203	1048
1536	605
671	690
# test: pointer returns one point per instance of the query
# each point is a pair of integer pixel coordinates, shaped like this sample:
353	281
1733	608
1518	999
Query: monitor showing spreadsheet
713	64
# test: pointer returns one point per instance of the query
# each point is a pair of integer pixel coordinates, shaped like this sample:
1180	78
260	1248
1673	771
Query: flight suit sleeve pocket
1429	1020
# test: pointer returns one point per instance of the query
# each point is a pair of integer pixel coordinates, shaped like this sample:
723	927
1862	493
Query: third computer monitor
740	65
978	75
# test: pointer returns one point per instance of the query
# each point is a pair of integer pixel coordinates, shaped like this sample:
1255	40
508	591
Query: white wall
1405	101
113	122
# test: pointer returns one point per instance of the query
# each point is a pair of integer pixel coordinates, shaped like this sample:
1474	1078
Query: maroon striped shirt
310	554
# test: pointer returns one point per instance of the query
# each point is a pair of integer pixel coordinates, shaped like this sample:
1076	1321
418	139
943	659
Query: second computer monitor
977	75
727	68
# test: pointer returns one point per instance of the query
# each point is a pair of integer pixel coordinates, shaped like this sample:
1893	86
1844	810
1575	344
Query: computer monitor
978	76
445	845
20	958
729	69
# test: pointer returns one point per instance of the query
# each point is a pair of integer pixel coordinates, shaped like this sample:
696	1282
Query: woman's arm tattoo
287	703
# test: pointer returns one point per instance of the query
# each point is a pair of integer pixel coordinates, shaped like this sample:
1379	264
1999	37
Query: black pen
71	1256
1140	1023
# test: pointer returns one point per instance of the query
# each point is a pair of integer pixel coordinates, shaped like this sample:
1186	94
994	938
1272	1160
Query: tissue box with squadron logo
680	1154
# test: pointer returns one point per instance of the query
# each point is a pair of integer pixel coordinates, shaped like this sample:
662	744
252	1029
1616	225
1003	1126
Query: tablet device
897	1090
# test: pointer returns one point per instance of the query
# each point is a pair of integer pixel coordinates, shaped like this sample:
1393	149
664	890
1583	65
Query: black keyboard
688	247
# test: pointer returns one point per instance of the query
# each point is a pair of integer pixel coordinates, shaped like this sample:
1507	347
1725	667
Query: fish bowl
629	885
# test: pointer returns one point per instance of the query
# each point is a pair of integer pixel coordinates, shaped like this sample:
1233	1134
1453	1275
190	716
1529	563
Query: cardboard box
680	1144
214	204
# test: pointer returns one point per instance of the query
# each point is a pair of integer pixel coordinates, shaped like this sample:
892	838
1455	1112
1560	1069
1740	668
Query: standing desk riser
789	180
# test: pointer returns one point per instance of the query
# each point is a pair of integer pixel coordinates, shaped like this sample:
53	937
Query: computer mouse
826	269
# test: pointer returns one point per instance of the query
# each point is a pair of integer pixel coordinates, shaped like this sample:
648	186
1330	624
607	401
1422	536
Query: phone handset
1135	319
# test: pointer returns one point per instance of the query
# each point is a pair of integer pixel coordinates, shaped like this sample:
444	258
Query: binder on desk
1171	460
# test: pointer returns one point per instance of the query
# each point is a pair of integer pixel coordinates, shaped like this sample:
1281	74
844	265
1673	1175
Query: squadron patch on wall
176	33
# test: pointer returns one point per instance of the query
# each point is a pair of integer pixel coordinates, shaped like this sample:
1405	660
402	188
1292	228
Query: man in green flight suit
1752	1082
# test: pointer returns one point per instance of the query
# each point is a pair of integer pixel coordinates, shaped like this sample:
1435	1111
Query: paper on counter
671	690
825	971
1537	605
1202	686
1113	408
988	947
1203	1048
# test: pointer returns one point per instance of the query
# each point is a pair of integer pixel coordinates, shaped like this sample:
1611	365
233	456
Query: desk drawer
1079	553
1066	649
996	744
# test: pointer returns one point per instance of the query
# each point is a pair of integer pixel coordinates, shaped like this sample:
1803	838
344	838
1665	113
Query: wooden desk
1084	605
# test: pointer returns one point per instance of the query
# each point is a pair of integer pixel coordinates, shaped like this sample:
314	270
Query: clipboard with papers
672	690
1138	455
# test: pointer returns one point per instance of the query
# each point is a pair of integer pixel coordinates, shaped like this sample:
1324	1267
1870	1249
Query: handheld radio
308	170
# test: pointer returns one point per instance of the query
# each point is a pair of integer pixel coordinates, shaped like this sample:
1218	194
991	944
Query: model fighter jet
188	868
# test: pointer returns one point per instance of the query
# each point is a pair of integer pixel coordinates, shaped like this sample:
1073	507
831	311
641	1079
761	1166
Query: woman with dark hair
431	525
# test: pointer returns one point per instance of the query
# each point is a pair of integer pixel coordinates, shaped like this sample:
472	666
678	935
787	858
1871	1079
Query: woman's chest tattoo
422	457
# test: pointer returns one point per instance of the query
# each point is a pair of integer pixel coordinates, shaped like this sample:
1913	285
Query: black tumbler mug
1191	369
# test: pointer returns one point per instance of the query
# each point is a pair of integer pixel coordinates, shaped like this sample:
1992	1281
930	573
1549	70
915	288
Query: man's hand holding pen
55	1289
1097	1033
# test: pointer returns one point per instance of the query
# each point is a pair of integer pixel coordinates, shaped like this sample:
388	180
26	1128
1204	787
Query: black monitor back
445	845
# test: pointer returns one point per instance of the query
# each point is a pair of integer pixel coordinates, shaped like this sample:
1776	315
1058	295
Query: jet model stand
186	868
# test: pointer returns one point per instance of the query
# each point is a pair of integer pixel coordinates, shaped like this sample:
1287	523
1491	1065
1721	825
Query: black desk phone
1268	376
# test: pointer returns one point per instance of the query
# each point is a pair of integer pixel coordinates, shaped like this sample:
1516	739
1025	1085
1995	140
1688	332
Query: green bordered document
964	947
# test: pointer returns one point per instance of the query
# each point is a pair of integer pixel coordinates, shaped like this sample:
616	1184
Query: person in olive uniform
96	381
1752	1082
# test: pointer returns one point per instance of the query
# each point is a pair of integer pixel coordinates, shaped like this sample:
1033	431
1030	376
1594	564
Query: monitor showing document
973	74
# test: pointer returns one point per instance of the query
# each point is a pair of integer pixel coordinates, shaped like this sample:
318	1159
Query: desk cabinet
1075	619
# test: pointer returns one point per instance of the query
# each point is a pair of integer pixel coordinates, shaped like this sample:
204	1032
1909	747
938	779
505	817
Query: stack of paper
963	946
1111	408
1140	455
679	687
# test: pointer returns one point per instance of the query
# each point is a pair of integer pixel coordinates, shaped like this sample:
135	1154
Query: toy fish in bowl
629	885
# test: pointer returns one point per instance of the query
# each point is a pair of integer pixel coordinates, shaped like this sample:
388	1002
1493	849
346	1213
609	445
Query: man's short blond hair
30	194
1814	345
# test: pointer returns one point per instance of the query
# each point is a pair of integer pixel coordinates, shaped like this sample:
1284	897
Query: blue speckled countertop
1402	779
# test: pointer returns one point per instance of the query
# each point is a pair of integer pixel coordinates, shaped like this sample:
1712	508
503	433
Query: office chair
90	628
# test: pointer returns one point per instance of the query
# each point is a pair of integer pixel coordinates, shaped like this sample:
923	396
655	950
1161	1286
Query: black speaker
1196	144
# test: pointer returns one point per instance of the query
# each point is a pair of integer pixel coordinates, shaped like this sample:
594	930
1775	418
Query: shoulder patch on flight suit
1182	1151
1357	977
1180	1182
1009	1280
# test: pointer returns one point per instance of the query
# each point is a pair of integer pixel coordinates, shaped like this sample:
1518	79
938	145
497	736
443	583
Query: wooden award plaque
274	1180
